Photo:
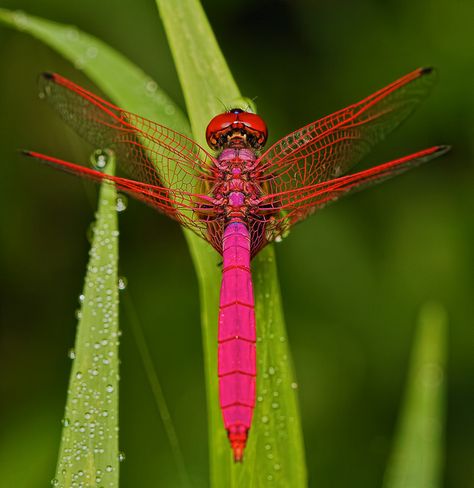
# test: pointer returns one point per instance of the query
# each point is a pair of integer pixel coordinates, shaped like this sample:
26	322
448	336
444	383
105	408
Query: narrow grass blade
207	84
89	454
417	457
156	389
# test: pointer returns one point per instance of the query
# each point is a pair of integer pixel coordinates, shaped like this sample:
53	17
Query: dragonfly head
236	128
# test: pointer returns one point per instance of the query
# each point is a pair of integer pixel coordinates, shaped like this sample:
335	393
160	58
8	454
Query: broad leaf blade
122	81
207	83
132	89
417	457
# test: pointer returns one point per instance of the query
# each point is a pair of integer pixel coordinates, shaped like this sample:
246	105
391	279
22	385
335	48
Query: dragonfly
238	196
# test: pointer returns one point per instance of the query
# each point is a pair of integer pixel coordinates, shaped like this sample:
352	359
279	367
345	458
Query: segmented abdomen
236	335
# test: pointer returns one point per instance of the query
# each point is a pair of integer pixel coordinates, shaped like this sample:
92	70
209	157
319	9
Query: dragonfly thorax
235	189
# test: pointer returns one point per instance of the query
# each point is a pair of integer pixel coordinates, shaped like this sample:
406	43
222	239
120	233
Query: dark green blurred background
353	277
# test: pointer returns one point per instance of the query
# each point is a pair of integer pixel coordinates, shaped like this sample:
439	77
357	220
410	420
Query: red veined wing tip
48	75
238	439
440	150
32	154
426	70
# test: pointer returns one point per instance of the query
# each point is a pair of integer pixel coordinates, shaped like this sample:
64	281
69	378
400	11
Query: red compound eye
223	124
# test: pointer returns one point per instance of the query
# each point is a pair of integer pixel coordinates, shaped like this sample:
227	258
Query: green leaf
417	456
122	81
207	85
89	446
275	450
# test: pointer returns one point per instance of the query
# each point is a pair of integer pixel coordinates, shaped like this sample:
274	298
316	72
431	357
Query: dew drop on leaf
151	86
121	202
122	283
99	159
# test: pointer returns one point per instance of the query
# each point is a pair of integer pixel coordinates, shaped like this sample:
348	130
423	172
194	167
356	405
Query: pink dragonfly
239	198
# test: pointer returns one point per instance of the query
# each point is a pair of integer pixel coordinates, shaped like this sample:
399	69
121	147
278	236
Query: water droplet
276	467
294	385
109	468
121	202
20	19
122	283
265	419
92	52
55	482
71	354
78	314
81	298
121	457
278	239
100	158
79	62
72	34
109	388
65	422
271	370
78	375
151	86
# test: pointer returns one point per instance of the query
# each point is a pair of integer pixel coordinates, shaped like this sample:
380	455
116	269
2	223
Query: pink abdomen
236	352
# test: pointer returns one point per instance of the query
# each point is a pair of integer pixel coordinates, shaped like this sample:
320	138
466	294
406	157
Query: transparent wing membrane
293	206
329	147
145	150
296	176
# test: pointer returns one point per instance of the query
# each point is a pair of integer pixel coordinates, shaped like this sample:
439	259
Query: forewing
184	207
145	151
329	147
288	207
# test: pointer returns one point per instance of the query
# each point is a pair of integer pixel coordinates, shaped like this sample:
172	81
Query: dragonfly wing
146	151
176	204
293	206
327	148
